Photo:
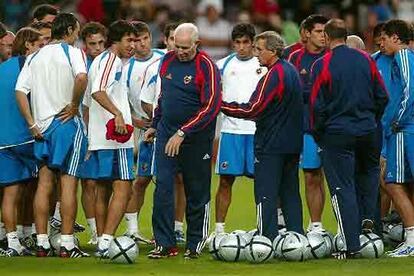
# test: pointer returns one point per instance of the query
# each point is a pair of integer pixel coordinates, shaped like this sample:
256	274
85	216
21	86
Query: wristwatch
180	133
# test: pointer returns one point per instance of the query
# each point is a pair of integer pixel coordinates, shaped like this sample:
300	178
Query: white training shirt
151	87
107	74
135	71
48	75
239	79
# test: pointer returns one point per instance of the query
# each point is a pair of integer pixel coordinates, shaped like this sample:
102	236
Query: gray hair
354	41
188	28
274	42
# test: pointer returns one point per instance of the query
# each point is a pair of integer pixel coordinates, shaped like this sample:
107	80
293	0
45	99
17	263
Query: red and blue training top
190	97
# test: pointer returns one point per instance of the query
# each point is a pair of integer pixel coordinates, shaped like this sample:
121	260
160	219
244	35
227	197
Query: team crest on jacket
187	79
259	71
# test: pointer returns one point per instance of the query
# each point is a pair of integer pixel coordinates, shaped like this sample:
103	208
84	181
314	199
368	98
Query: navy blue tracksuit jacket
277	108
346	104
190	100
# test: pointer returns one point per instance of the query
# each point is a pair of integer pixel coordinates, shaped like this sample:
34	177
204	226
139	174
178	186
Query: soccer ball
213	247
371	246
396	233
55	242
317	243
277	245
238	232
232	248
339	244
123	250
329	241
295	247
259	249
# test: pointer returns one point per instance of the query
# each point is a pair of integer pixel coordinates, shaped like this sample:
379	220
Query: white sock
410	235
280	217
220	226
316	225
178	226
13	241
19	230
34	228
132	223
67	241
2	231
92	225
27	231
56	215
43	240
104	241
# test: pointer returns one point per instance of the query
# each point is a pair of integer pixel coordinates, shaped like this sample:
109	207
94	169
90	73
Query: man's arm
24	107
269	86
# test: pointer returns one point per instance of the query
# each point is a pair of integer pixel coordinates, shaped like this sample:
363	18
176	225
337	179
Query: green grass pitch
241	216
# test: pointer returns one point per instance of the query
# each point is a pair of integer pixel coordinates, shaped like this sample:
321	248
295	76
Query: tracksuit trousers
194	161
276	177
351	166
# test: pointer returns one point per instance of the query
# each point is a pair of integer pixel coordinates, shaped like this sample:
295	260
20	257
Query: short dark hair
243	29
41	25
309	22
3	30
336	29
62	22
399	28
412	30
170	27
40	11
141	27
91	28
378	29
118	29
24	35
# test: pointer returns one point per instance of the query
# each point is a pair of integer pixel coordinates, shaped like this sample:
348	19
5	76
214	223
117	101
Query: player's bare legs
223	200
69	203
315	196
385	197
88	204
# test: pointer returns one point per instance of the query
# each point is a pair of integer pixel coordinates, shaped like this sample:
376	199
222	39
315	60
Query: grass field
241	216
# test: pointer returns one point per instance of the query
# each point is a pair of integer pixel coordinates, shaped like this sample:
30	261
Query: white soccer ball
329	241
339	244
232	248
56	240
294	247
317	243
396	233
123	250
214	245
259	249
371	246
277	245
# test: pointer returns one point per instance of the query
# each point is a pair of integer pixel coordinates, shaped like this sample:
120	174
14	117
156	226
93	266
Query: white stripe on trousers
206	224
337	212
73	166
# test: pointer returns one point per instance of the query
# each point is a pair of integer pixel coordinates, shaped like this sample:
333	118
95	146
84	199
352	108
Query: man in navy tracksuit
184	123
277	107
347	100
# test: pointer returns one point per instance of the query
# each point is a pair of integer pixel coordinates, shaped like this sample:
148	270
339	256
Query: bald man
355	42
184	122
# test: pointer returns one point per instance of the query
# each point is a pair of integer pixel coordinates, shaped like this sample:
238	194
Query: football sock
104	241
2	231
27	231
56	215
43	240
19	230
220	226
178	226
67	241
13	241
410	235
92	225
132	223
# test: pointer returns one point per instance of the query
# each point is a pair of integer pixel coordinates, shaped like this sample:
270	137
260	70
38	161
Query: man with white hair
355	42
184	122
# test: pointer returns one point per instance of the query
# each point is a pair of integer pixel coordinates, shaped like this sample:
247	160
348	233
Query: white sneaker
138	238
93	240
403	250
